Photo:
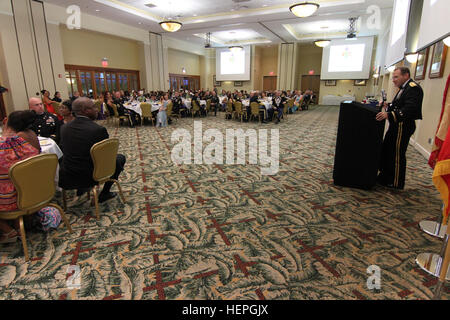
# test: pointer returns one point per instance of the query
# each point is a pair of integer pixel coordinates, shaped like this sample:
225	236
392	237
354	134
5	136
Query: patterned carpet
227	232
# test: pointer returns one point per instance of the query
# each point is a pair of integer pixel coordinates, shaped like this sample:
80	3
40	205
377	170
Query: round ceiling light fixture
170	25
235	49
304	9
322	43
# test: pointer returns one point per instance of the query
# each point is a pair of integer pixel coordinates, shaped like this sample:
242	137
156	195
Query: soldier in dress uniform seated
45	124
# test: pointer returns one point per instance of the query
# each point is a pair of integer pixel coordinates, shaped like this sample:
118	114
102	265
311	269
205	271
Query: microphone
384	95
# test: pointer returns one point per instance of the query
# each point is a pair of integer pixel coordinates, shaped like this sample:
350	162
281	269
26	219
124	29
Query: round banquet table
49	146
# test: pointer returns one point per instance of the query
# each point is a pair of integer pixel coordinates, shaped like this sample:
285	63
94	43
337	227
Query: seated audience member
57	97
45	124
66	112
307	96
214	102
161	118
134	117
278	103
77	138
76	95
13	148
298	98
21	122
177	104
48	103
254	98
107	102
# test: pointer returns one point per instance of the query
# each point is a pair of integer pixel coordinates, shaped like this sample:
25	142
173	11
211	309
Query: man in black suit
278	103
77	138
401	113
214	102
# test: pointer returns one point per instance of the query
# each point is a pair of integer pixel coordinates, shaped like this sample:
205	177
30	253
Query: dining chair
104	154
146	112
34	180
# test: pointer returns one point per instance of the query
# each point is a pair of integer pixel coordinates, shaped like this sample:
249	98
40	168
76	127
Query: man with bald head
46	124
77	138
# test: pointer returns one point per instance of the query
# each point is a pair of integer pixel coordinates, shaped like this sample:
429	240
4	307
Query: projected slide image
346	58
232	62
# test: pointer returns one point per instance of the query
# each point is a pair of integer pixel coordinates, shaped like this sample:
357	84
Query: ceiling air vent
150	5
240	1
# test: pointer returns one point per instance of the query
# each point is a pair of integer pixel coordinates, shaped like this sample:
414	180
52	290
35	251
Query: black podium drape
358	146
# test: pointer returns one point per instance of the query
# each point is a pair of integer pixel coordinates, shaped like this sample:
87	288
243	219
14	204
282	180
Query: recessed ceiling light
96	10
194	15
264	5
139	22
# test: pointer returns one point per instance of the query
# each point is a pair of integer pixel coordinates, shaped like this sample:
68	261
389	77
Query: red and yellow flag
440	154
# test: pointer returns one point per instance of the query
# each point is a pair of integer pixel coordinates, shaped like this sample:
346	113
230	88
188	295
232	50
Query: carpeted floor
227	232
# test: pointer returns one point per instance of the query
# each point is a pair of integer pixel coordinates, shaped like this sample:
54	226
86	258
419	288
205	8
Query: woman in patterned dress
13	148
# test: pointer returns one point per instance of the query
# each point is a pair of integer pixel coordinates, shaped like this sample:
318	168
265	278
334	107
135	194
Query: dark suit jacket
409	105
254	99
77	138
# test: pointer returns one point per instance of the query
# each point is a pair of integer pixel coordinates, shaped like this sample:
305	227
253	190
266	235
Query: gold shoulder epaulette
412	84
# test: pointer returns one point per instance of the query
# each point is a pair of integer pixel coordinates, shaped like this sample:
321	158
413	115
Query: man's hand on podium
382	116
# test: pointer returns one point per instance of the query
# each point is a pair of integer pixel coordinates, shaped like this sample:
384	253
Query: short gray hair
80	104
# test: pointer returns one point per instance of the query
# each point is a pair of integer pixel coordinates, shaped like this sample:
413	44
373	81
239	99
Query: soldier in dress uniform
401	113
46	124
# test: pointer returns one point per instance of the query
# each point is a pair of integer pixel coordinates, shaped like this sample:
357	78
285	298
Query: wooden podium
358	146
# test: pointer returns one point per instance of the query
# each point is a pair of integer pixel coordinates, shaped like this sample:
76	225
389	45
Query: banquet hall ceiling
242	21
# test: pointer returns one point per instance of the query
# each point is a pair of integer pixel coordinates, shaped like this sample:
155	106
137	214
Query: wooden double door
270	83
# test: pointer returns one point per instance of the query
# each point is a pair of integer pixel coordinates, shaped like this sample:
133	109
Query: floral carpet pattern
228	232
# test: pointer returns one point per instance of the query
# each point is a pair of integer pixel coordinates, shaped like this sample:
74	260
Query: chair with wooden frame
169	111
195	108
118	117
98	103
104	154
229	111
208	106
305	104
176	115
290	105
146	112
34	180
254	109
238	109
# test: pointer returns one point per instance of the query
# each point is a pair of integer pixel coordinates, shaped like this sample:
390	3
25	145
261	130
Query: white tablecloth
156	106
187	103
49	146
135	106
266	104
221	98
202	102
332	100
